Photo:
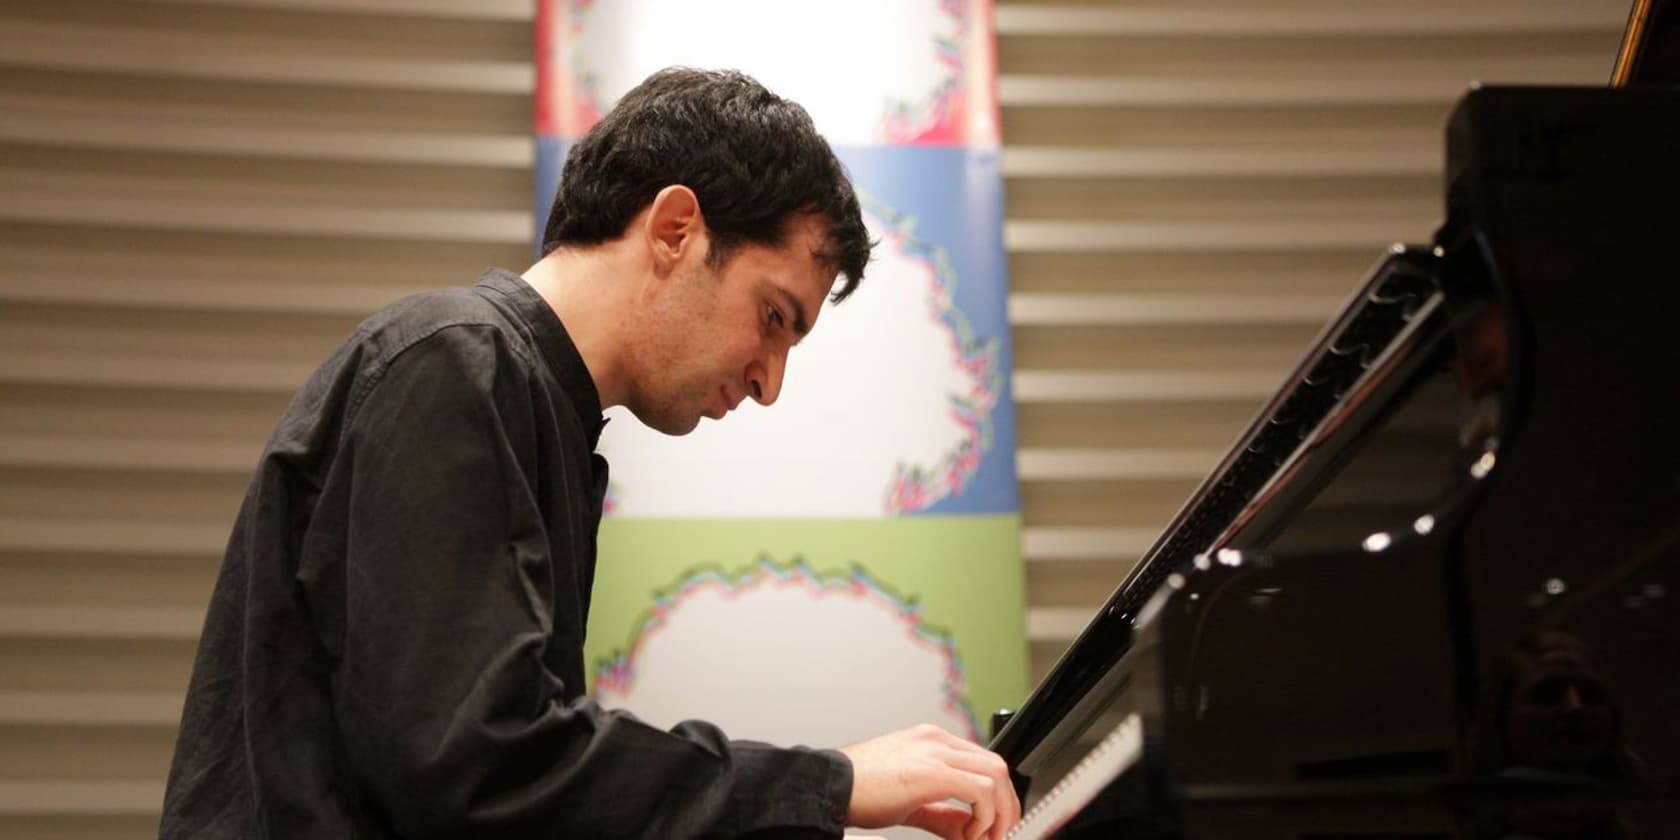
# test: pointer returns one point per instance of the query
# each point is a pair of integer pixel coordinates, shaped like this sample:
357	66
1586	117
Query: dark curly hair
751	157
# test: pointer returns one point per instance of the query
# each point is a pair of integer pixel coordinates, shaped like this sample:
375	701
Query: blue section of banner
955	195
551	156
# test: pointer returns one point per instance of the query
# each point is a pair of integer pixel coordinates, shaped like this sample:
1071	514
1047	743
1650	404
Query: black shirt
394	645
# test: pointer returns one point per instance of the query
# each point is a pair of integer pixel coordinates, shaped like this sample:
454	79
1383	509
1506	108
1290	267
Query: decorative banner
846	562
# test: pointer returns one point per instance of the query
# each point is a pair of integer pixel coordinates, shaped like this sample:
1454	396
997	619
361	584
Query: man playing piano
394	644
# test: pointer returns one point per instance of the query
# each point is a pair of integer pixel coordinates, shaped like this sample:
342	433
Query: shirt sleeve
451	720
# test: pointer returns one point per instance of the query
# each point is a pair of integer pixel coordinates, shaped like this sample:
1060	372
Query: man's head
752	158
746	218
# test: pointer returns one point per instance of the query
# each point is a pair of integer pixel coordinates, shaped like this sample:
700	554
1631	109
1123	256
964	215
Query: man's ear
674	227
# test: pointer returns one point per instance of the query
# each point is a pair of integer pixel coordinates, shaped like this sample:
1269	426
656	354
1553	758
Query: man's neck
587	289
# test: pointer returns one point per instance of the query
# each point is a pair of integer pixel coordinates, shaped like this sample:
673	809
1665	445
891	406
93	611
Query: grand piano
1434	589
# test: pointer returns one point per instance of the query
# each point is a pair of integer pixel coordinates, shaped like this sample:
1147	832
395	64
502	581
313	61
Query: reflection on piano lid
1431	590
1650	51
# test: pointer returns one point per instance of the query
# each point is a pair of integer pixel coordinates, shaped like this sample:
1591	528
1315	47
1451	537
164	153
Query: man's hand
907	778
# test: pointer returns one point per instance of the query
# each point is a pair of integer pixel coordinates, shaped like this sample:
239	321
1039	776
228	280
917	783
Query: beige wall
199	197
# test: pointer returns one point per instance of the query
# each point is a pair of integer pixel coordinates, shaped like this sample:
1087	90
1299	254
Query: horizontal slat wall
200	200
202	196
1192	191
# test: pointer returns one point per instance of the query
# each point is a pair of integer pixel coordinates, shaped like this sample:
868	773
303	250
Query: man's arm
449	711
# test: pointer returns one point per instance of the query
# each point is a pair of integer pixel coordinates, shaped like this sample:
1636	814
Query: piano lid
1333	686
1650	51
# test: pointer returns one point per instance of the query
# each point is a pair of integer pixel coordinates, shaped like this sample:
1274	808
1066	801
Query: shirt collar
552	340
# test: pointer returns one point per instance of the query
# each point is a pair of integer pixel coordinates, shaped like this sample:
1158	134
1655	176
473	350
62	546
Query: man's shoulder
425	312
458	334
439	319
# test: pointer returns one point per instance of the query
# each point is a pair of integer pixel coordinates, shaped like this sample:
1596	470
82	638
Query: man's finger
947	821
981	794
1006	807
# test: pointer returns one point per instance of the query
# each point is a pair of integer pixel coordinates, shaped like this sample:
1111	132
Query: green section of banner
965	572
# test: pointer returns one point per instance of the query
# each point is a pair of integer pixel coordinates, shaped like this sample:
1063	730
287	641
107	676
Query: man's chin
673	426
679	431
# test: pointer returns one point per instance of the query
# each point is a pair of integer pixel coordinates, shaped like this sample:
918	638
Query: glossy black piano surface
1434	591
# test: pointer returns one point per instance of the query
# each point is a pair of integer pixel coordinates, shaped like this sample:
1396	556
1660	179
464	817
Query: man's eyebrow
801	326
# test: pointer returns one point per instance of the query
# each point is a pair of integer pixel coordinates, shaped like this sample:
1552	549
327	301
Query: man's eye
775	316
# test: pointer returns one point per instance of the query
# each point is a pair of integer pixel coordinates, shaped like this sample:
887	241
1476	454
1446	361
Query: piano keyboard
1116	753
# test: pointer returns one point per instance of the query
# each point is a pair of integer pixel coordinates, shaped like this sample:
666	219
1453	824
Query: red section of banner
564	101
543	57
964	113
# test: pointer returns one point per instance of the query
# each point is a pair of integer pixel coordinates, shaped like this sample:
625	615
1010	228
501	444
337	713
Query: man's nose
765	379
